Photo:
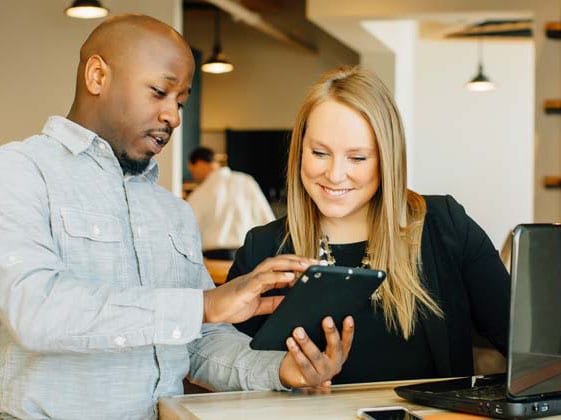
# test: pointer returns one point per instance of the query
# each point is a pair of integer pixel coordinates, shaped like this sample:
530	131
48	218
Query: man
104	302
227	204
202	163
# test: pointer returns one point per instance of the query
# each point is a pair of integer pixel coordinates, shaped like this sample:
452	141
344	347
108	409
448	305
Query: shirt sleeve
222	359
48	309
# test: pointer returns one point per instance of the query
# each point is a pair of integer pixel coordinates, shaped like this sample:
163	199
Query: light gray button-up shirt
101	280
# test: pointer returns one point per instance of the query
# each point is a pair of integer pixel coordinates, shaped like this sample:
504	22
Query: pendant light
480	82
217	63
86	9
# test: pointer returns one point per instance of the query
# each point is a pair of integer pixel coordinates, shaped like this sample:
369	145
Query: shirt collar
225	170
79	139
73	136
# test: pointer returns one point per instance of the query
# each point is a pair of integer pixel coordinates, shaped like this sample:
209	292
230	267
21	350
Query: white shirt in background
227	205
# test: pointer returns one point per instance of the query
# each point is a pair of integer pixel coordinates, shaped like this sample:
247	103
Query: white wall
39	46
476	146
401	38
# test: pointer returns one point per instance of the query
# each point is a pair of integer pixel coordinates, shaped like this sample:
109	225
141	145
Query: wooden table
341	403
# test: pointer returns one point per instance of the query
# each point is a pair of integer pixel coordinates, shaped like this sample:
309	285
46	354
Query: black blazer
460	268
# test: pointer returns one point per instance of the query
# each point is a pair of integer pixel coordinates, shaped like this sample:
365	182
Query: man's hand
306	366
240	298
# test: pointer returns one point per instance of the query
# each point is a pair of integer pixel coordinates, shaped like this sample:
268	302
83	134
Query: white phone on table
387	413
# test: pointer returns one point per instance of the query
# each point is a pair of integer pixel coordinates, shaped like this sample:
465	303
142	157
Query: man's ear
96	72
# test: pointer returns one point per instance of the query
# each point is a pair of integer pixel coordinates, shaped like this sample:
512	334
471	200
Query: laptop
531	386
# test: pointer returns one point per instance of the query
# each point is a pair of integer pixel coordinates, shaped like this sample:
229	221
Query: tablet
319	292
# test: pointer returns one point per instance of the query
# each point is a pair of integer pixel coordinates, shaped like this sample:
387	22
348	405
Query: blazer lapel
434	326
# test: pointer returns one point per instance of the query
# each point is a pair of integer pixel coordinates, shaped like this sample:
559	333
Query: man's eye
180	105
159	92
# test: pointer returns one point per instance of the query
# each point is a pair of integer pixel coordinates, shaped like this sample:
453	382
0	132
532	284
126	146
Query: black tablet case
319	292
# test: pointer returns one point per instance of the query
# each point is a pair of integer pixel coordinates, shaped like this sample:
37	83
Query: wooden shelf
553	30
552	106
552	181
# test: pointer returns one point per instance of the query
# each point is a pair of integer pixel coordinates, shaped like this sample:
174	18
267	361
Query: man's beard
132	166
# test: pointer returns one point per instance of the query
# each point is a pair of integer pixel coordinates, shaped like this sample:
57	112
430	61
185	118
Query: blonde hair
396	213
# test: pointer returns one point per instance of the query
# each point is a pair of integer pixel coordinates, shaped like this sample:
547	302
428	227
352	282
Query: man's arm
303	366
47	308
223	360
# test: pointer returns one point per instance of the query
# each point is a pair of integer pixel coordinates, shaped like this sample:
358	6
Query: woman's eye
319	153
358	158
159	92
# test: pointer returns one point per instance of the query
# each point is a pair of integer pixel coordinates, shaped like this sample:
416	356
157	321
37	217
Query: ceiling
288	17
521	28
284	19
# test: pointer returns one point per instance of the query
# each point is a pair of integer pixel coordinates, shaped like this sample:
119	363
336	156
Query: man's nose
170	115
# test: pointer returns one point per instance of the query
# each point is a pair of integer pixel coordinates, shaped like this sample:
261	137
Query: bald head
134	76
122	35
119	39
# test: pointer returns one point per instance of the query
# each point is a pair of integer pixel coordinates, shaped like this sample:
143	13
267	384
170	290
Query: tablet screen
319	292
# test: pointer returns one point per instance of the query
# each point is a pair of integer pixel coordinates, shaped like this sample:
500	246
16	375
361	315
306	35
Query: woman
347	190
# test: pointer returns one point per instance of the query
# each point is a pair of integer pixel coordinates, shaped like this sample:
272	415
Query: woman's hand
306	366
240	298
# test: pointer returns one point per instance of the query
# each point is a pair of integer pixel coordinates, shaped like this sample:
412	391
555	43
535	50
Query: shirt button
176	334
102	146
120	341
95	230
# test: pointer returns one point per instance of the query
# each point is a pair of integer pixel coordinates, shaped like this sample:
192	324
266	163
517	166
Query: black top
376	352
461	270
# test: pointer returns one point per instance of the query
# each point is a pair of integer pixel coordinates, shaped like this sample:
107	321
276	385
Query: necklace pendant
325	251
365	263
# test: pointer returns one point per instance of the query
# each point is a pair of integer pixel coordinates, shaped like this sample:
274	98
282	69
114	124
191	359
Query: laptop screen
535	320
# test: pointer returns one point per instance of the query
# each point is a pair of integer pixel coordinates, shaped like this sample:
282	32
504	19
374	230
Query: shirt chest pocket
92	247
187	260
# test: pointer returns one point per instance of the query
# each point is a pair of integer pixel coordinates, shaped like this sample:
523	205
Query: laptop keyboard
486	392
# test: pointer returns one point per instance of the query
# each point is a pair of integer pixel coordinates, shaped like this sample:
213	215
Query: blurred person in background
227	204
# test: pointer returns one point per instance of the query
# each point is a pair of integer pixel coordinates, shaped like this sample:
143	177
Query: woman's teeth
336	193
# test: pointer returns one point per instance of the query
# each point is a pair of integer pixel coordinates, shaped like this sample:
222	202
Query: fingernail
327	383
288	275
291	343
299	333
351	322
329	322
